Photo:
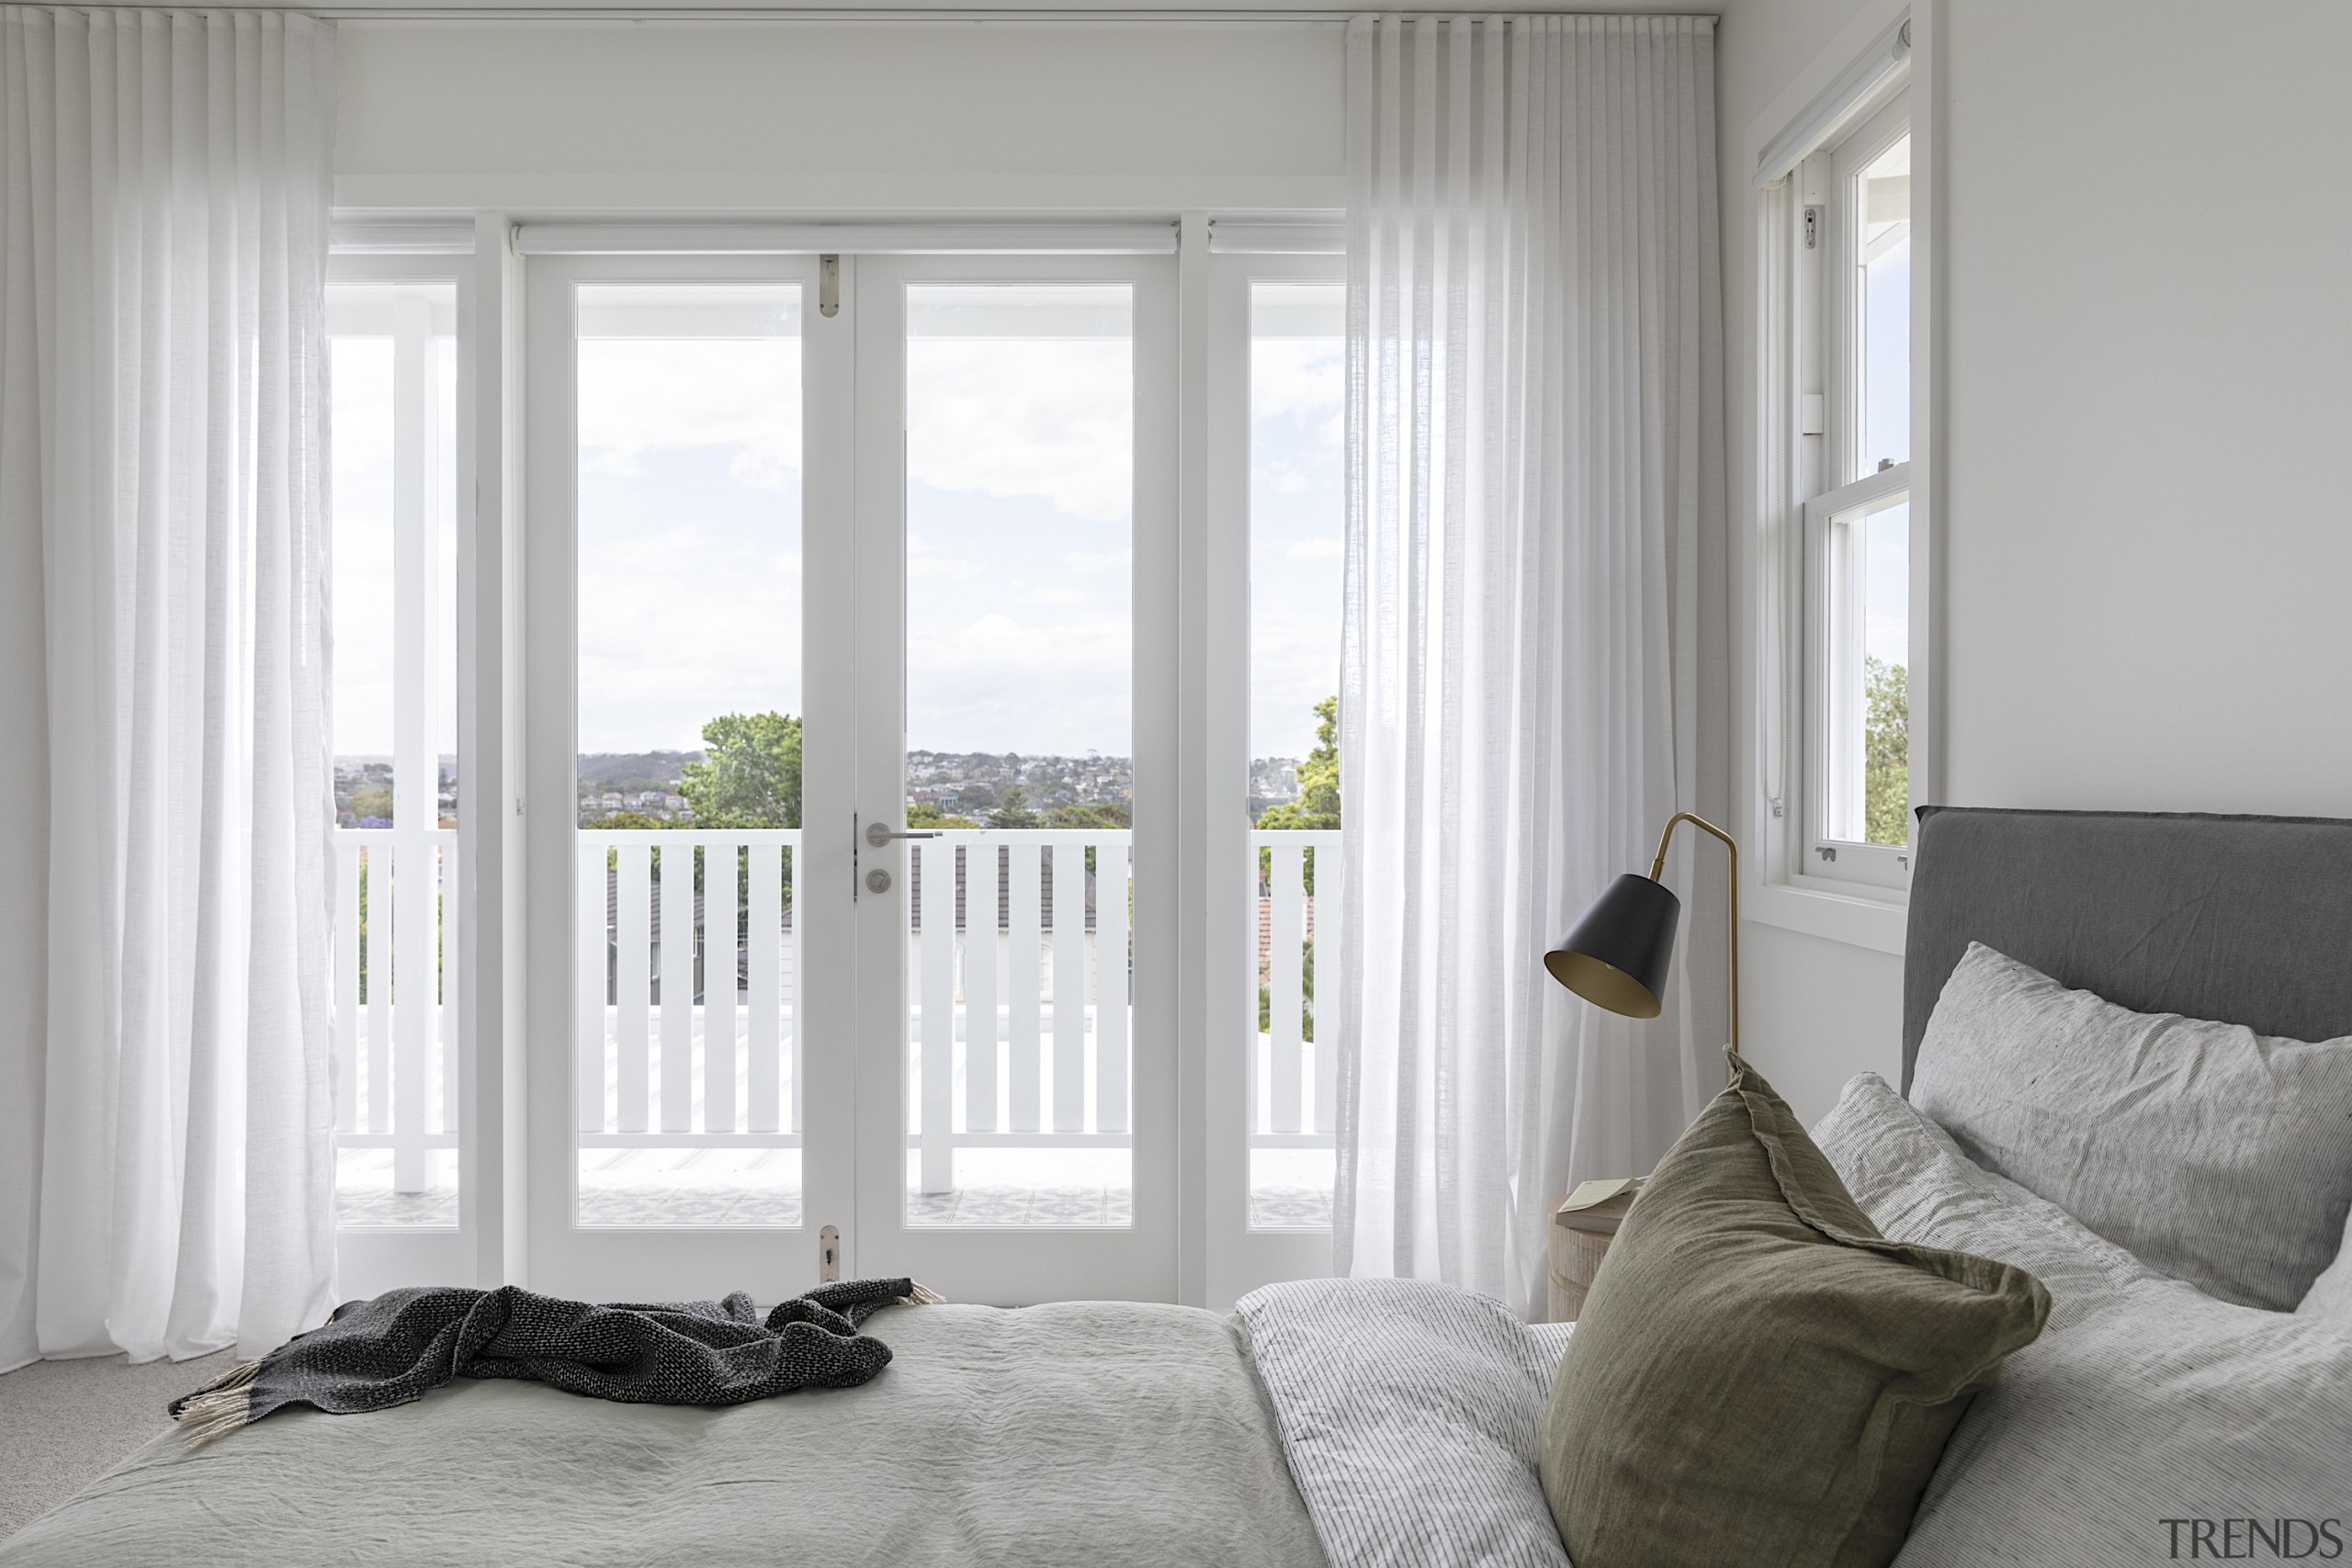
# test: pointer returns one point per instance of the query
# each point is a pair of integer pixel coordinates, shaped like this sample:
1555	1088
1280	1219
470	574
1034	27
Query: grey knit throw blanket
372	1355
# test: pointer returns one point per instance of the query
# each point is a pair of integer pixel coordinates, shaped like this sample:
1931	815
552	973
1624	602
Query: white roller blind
1145	237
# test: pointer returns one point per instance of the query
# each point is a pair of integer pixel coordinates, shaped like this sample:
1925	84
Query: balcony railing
1296	1086
395	964
1019	970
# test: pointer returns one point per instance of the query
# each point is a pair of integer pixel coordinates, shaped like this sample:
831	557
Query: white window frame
1862	94
1239	1259
1848	488
376	1257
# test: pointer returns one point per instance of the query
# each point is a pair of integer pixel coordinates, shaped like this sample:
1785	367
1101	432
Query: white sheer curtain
165	1162
1532	675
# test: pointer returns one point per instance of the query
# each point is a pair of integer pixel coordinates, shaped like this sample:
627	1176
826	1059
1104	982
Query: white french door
1016	1130
790	521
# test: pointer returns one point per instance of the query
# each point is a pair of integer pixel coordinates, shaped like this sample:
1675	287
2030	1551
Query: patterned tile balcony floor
997	1189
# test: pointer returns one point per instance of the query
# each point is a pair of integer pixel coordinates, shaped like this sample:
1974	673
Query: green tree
1317	805
922	813
375	801
1105	814
1316	809
750	774
1886	752
1013	810
626	819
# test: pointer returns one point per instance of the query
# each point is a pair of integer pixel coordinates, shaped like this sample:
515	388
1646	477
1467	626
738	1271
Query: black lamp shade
1618	956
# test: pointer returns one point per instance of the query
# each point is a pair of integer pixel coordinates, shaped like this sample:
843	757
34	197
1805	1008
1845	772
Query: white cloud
1035	683
644	395
1052	418
927	561
1301	378
1312	549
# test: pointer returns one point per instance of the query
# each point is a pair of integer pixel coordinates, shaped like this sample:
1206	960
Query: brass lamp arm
1657	873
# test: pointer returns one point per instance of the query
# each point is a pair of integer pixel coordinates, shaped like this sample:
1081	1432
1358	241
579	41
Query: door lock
879	834
878	881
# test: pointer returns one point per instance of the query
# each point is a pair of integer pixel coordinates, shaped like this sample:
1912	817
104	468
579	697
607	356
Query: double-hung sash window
1855	315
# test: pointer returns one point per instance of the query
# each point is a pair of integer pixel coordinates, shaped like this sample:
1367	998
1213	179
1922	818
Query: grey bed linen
1089	1432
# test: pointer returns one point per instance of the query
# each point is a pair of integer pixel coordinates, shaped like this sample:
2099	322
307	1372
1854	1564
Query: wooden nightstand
1583	1225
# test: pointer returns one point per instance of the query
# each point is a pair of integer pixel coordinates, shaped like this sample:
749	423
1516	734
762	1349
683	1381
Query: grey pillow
2212	1153
2147	1412
2331	1293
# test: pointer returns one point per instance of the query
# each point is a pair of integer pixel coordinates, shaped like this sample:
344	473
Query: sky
1886	429
1019	503
1297	386
360	476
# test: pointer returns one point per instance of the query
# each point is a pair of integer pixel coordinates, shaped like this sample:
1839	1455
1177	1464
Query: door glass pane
1885	298
1298	386
687	1088
1020	496
1869	706
392	369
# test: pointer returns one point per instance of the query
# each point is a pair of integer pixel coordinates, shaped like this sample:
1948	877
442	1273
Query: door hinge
829	286
828	1255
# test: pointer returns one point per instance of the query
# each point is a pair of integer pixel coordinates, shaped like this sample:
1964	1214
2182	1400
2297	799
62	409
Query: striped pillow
1410	1413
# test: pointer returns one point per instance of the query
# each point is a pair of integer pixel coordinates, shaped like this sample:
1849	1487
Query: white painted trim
1835	914
1842	102
1140	1261
1240	1258
1269	237
399	235
1204	677
1143	237
604	1263
370	1258
1778	891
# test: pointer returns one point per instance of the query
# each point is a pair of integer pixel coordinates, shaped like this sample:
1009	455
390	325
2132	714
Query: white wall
550	117
2146	542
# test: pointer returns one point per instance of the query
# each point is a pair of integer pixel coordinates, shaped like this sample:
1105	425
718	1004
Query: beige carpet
64	1424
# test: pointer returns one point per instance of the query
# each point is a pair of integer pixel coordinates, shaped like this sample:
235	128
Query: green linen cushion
1759	1377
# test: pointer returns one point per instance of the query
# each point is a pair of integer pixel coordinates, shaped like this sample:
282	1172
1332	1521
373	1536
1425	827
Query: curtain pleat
1535	518
164	184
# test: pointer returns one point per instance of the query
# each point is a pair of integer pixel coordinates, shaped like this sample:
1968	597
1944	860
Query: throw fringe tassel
220	1406
922	1296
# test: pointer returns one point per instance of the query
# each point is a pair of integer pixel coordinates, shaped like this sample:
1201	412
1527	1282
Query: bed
1360	1417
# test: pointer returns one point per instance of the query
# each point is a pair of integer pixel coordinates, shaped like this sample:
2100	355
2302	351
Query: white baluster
447	1032
719	868
347	983
1069	986
766	966
981	917
593	894
635	934
677	1006
378	916
1110	983
415	983
1327	976
1283	986
1023	941
938	974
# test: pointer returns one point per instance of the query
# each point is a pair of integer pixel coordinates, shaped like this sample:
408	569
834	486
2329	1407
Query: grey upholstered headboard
2243	919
